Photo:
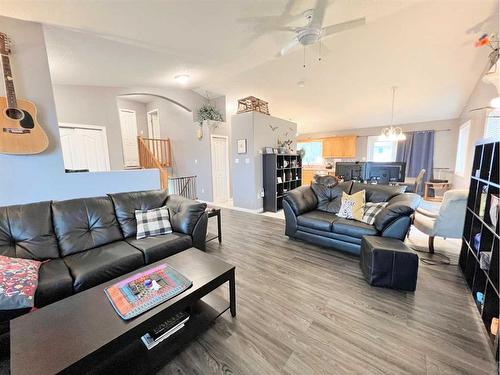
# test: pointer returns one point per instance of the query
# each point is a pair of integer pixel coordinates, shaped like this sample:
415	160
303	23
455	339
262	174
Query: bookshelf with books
479	259
282	173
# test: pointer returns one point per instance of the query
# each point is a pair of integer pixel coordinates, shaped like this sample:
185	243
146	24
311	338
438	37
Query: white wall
445	141
91	105
247	169
480	97
99	106
30	178
191	156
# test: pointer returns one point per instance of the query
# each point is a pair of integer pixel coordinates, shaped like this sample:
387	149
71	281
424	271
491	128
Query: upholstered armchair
448	222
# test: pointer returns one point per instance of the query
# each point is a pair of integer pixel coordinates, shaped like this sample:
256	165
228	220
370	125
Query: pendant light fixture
392	133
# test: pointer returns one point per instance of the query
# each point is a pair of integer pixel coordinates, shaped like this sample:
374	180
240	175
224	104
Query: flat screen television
386	172
368	170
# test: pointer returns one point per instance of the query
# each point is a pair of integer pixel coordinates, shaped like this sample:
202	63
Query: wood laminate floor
303	309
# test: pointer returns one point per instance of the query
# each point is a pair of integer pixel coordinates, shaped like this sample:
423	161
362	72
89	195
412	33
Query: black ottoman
389	263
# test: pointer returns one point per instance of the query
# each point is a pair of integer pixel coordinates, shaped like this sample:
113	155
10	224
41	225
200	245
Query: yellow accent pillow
353	206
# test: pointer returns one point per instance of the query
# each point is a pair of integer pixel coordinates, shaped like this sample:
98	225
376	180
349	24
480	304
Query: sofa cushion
82	224
317	219
54	283
159	247
184	213
301	199
377	193
353	228
329	193
127	203
401	205
93	267
26	232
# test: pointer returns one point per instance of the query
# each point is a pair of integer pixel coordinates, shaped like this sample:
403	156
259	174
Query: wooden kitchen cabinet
307	176
339	147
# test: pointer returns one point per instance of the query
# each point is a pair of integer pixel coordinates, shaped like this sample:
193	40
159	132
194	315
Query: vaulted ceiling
425	47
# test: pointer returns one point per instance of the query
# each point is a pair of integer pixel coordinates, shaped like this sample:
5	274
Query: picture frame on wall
242	146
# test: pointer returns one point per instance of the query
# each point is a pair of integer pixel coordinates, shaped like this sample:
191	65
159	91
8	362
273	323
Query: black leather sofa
310	214
85	242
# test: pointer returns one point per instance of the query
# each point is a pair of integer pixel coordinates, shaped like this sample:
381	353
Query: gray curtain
418	152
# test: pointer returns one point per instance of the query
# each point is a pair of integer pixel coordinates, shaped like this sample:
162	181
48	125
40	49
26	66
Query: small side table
435	185
211	212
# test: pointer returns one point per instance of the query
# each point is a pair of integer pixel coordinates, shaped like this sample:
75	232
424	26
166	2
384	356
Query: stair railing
155	153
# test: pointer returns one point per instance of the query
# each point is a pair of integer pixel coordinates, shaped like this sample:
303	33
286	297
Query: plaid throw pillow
372	210
153	222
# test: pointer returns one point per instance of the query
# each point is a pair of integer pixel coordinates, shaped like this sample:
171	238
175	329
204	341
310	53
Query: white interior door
220	168
128	123
154	124
84	147
68	147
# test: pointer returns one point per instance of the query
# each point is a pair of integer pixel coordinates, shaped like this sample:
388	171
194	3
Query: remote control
168	324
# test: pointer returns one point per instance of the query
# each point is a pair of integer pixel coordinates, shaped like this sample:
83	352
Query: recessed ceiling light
182	78
301	83
495	102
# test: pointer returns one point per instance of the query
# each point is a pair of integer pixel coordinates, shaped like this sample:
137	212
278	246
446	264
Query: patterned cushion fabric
18	282
153	222
371	210
352	206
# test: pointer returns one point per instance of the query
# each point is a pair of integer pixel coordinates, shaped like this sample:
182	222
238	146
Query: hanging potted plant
209	115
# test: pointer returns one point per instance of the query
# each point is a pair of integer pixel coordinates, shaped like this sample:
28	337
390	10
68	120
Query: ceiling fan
314	31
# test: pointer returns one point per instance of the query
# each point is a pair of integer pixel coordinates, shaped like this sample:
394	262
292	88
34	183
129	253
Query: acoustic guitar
20	132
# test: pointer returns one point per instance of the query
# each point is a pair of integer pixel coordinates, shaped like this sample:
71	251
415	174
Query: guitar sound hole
14	113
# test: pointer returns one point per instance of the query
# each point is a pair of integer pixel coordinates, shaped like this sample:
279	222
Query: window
463	140
313	152
381	150
492	128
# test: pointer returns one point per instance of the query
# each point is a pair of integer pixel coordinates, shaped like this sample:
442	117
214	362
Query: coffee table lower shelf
134	358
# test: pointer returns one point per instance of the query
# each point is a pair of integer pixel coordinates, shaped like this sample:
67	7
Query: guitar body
24	135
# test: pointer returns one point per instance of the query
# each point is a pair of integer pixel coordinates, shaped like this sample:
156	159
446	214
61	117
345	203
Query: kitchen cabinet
307	176
339	147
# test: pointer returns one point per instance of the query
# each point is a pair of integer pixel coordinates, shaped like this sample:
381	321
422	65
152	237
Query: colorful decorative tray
145	290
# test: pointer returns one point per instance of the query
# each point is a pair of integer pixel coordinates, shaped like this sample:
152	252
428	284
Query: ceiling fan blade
293	43
319	14
339	27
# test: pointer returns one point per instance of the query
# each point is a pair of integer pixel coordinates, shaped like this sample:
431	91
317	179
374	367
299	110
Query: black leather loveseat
85	242
310	214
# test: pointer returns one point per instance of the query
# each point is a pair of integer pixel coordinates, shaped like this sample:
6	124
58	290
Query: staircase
156	153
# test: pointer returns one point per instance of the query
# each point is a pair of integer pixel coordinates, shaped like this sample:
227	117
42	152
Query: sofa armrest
427	213
301	200
184	213
399	206
290	220
199	234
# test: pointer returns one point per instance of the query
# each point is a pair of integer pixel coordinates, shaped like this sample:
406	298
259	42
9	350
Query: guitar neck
10	92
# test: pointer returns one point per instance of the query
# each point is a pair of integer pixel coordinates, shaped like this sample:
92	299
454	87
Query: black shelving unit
282	173
481	237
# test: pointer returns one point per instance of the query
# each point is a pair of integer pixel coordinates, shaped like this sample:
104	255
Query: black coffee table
83	333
